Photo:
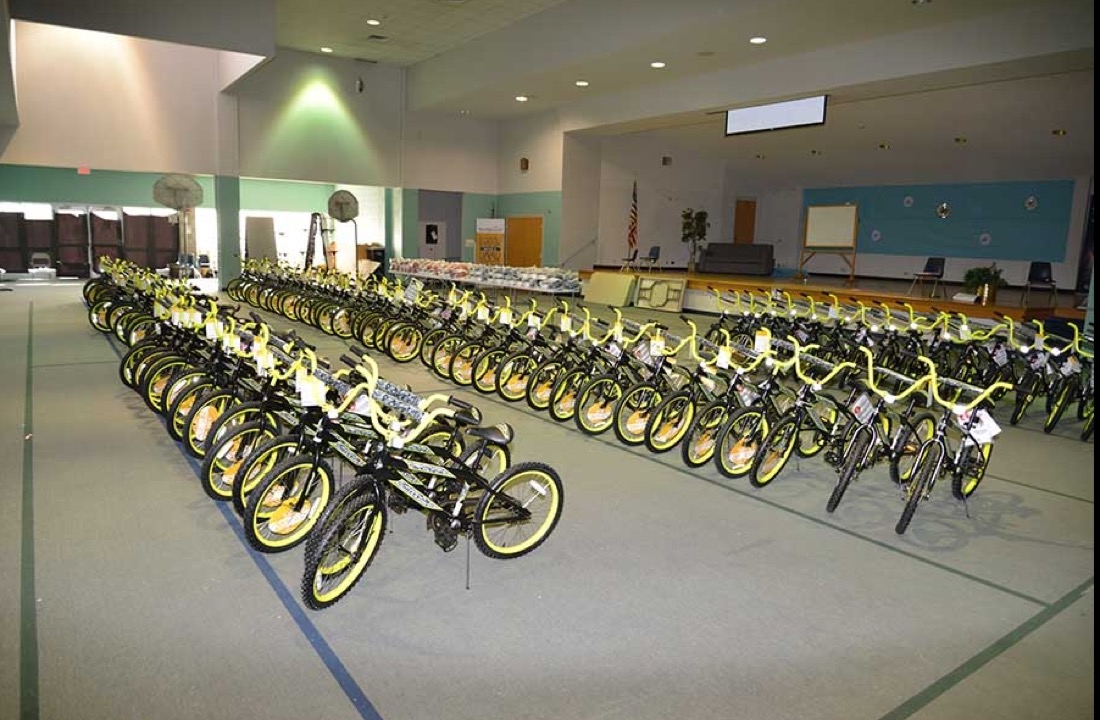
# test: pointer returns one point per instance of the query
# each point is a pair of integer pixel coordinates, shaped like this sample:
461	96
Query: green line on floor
921	700
28	625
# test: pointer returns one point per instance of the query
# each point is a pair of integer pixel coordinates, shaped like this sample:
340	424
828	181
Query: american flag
632	230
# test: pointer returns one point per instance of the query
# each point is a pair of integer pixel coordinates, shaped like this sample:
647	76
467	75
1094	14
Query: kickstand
467	561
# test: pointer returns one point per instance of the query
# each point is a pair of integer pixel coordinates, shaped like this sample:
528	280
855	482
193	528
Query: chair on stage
650	261
933	272
1040	277
630	263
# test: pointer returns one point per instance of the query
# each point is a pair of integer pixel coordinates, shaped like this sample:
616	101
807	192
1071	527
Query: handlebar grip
255	317
349	360
459	403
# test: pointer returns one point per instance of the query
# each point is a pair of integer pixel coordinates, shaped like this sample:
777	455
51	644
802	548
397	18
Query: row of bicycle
747	405
311	454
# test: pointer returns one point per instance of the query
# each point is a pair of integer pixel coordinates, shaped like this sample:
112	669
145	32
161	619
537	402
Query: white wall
112	102
580	201
450	152
369	227
302	118
663	193
539	139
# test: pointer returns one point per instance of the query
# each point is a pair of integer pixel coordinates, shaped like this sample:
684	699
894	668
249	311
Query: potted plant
694	230
983	282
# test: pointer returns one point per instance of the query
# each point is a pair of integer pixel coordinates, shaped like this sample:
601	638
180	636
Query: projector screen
792	113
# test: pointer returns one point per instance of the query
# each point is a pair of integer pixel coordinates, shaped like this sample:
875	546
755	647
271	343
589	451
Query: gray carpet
664	592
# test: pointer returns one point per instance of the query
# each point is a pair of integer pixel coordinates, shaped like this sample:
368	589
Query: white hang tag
482	312
964	332
211	329
746	395
617	332
983	431
505	316
1000	356
466	308
566	323
1070	366
175	317
762	342
362	405
615	350
534	321
725	354
196	318
833	312
656	346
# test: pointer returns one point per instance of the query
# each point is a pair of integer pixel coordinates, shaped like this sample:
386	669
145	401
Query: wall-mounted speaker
524	164
666	160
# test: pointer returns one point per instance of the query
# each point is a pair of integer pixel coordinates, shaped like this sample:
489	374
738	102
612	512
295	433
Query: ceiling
1003	114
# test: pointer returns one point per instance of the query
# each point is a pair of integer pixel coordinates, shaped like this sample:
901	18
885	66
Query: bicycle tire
563	402
513	375
739	441
223	461
700	440
595	410
259	463
669	422
918	488
336	563
971	471
540	387
633	410
271	524
533	486
485	368
907	446
854	451
1059	401
775	451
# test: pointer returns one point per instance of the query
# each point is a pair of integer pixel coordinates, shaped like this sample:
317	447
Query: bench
737	259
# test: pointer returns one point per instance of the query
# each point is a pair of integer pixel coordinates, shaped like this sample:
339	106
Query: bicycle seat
499	434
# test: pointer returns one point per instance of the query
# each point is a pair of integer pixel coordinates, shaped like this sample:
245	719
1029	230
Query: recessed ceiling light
1058	131
960	140
759	156
326	49
758	40
884	146
581	83
657	64
463	112
815	152
372	21
522	98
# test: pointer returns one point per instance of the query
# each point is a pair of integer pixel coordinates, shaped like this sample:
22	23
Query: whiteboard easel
832	230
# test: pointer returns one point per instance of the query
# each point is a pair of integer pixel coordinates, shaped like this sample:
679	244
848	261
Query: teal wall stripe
389	220
28	621
410	223
991	221
285	195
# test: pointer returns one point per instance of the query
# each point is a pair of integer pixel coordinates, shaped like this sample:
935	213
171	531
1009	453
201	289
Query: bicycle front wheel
596	404
519	512
774	452
854	451
633	410
738	441
669	422
336	563
697	447
924	474
282	510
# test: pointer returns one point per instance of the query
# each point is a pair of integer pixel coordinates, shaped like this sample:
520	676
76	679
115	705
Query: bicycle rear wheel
739	440
519	513
697	447
854	452
775	450
971	470
224	460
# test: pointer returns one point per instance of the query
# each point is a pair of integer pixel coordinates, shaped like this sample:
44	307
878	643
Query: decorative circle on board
907	201
985	238
876	235
1031	203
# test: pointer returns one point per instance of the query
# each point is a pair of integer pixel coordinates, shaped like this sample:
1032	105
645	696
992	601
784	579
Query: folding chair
650	260
933	271
1040	276
630	263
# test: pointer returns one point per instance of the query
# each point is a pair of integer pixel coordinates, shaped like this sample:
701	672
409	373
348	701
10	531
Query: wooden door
523	241
744	222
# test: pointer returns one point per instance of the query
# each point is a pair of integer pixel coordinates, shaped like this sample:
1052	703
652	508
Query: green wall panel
29	183
284	195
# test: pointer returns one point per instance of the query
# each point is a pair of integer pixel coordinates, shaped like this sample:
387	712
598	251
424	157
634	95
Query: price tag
466	308
1000	356
211	329
984	429
505	317
833	312
175	317
615	350
482	313
532	333
1070	366
566	323
763	341
725	355
312	392
656	346
964	332
196	318
617	332
534	321
861	407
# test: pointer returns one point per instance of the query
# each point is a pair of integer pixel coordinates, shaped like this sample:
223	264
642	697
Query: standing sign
490	241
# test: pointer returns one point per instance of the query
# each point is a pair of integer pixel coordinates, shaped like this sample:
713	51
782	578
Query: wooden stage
869	291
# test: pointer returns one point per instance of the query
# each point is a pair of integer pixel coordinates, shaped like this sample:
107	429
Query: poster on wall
489	248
